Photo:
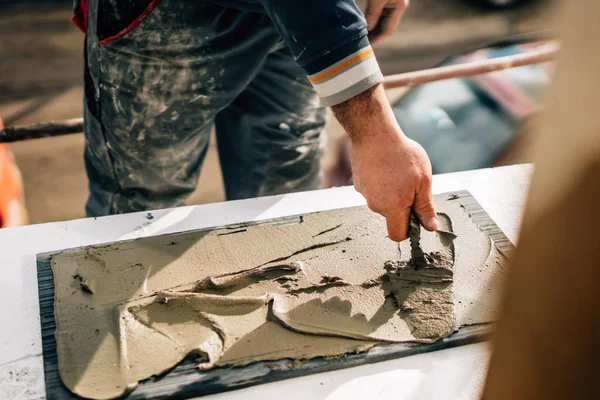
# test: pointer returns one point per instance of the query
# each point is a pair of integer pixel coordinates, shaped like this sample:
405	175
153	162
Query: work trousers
154	92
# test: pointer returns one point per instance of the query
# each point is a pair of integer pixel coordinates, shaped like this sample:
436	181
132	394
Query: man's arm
329	39
392	171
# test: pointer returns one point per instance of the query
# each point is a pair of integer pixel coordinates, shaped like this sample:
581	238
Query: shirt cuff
349	76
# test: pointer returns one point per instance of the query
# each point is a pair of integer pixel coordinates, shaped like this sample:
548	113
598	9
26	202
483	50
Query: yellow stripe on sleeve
342	66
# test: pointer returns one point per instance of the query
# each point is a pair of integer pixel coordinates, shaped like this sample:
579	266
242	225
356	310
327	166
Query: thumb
423	207
397	224
373	12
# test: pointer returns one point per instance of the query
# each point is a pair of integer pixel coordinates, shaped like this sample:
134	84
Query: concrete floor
41	75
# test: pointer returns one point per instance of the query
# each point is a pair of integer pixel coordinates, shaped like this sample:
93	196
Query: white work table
457	373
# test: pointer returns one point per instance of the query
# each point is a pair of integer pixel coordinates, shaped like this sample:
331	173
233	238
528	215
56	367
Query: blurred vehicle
467	123
472	123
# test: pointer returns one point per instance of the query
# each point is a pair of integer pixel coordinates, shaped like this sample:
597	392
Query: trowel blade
414	235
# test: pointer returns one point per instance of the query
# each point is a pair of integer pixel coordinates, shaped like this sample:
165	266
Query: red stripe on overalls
132	25
81	18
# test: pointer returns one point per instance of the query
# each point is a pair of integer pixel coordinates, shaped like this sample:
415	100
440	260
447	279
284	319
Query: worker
160	73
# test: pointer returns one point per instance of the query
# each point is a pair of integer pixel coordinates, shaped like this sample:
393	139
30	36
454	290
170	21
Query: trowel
417	255
414	235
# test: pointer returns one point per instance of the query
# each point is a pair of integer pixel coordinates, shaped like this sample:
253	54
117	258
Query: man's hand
383	17
392	171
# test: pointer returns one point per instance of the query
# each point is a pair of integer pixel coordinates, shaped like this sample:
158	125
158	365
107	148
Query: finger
425	210
379	32
373	12
397	224
393	20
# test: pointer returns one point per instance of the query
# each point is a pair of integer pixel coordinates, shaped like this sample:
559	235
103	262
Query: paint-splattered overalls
154	90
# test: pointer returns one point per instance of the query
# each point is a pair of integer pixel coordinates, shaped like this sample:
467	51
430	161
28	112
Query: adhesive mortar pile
329	284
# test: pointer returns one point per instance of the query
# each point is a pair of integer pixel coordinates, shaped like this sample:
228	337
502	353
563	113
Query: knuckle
372	206
425	207
376	206
427	179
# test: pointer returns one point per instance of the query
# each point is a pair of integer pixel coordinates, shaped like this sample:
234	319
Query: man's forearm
390	170
367	115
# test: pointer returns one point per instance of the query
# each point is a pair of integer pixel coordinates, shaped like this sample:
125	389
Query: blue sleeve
328	39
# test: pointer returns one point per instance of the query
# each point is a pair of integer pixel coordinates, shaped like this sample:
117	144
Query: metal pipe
470	68
37	131
409	79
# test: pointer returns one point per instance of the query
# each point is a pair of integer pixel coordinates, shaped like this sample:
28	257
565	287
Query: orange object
12	210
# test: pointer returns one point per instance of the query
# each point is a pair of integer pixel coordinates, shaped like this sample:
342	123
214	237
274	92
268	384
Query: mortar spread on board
327	285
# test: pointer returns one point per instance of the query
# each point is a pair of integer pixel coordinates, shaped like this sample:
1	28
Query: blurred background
463	123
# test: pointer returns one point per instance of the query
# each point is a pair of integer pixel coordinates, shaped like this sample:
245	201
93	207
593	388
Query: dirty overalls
159	74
